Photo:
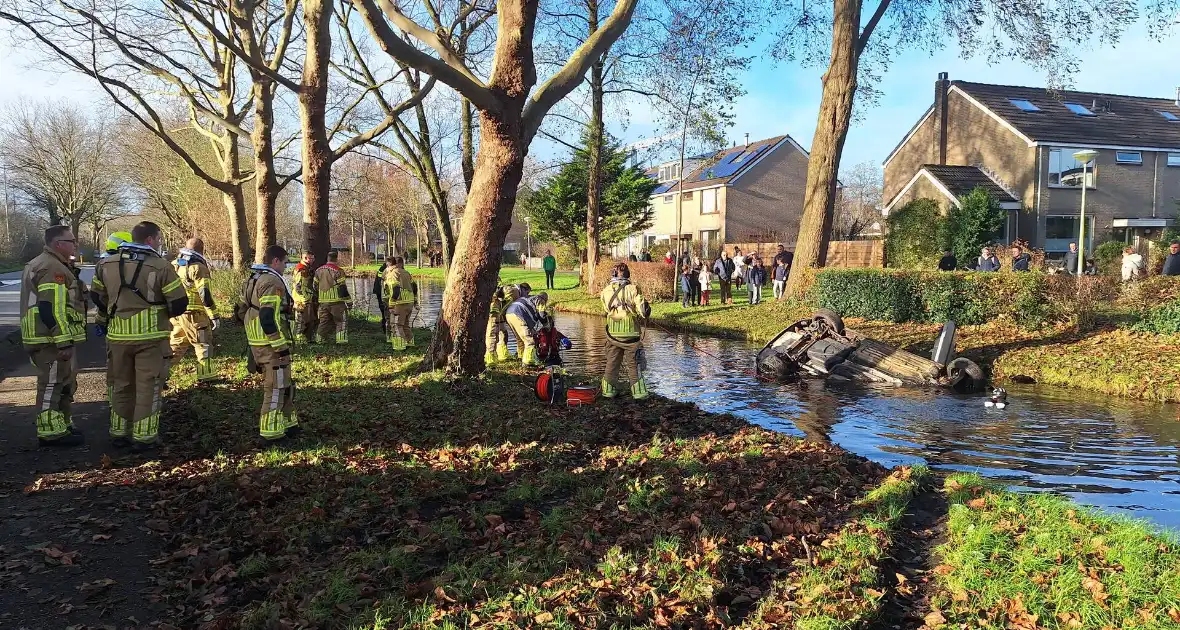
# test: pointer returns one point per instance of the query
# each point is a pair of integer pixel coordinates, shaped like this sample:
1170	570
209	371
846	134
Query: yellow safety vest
264	288
623	304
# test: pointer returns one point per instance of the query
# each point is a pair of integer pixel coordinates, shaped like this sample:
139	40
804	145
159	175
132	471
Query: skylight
1080	110
1169	116
1024	105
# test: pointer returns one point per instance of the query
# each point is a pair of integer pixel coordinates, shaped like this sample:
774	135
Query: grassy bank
1039	561
9	266
412	501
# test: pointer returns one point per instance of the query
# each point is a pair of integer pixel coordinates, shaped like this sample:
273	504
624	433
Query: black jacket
1172	265
948	263
1021	262
1071	262
757	275
724	268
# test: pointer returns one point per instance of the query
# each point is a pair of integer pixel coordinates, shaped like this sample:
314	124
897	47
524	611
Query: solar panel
663	188
731	163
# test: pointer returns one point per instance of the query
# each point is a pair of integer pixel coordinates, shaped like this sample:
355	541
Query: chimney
941	87
747	139
1178	97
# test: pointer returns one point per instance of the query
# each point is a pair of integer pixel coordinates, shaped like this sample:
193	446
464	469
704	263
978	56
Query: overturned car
820	347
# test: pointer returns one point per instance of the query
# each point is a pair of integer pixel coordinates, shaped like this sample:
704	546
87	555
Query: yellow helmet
116	239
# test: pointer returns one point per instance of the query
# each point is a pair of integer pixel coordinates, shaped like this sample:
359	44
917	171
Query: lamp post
1084	156
528	238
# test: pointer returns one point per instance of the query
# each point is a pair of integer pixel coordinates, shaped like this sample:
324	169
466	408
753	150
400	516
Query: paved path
75	554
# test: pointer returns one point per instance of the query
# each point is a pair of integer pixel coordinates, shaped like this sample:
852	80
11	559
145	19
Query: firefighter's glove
100	330
566	344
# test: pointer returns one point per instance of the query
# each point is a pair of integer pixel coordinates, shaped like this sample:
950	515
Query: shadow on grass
427	503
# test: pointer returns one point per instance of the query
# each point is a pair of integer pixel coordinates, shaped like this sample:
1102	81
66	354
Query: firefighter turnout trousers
629	357
137	372
195	329
56	383
526	344
305	321
277	414
333	319
400	334
497	340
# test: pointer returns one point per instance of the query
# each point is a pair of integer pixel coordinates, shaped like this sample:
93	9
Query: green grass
9	266
1037	558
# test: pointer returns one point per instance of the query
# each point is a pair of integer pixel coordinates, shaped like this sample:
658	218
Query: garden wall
654	279
841	254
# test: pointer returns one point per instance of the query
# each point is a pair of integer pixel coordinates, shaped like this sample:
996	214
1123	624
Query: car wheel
964	376
830	318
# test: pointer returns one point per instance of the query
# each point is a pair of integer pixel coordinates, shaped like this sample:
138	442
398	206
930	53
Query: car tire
965	376
831	318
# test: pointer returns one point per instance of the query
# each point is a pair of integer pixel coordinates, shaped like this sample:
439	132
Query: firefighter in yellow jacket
100	318
269	308
195	327
53	319
625	307
303	292
498	329
140	293
401	294
331	289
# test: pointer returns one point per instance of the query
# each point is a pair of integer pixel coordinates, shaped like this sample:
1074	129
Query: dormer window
669	172
1079	109
1024	105
1169	116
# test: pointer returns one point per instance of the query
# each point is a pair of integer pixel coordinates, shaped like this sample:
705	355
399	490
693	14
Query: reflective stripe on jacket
193	271
49	282
398	282
139	287
266	290
624	306
330	284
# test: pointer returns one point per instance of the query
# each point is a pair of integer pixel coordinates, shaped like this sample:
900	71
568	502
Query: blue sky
782	98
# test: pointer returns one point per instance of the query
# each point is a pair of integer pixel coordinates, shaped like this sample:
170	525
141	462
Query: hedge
1030	299
654	279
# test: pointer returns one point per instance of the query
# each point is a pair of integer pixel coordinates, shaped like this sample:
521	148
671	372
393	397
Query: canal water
1119	455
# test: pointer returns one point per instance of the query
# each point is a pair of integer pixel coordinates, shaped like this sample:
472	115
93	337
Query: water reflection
1117	454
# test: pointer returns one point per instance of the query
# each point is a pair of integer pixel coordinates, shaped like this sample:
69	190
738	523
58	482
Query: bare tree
856	50
858	202
60	161
510	113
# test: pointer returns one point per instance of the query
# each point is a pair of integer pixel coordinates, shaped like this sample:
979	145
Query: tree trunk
594	174
235	201
823	167
317	152
458	342
442	216
467	138
266	185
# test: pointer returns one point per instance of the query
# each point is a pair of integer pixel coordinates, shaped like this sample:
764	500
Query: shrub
973	224
1108	258
912	236
1163	319
1150	292
654	279
868	293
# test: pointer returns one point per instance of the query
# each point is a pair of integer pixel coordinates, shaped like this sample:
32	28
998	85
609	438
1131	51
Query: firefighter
524	319
497	335
140	293
401	292
303	293
53	319
195	327
100	317
331	288
269	307
625	307
379	294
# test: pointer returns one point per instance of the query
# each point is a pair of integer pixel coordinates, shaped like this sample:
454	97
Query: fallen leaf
493	520
934	619
544	617
105	461
441	594
901	579
977	504
98	537
944	569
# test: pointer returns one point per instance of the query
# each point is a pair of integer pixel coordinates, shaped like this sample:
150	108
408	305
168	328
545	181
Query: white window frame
669	198
1174	159
1129	157
1092	172
709	201
687	195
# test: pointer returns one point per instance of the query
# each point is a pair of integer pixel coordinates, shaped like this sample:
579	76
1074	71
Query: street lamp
528	238
1084	156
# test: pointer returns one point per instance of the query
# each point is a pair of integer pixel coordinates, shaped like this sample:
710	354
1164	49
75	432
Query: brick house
1019	143
747	193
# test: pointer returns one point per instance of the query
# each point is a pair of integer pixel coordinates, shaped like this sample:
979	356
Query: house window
1128	157
1174	159
1024	105
669	172
688	196
1079	109
710	240
1170	117
1066	172
668	198
1060	231
709	201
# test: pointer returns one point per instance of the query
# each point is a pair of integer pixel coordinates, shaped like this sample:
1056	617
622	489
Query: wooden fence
846	254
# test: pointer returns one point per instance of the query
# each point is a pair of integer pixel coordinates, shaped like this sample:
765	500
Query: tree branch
867	31
566	79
